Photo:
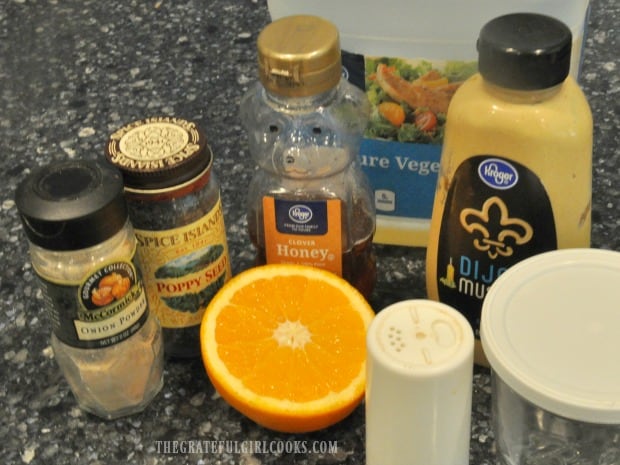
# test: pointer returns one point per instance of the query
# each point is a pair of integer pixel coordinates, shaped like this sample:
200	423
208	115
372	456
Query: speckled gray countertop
71	71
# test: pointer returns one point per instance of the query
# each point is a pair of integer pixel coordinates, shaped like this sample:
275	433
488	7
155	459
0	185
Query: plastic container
550	332
516	165
419	385
415	37
309	202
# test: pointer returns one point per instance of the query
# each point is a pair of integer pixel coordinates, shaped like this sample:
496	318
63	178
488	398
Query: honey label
497	213
304	232
107	307
184	268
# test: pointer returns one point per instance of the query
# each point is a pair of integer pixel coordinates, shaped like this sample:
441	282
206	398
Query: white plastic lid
420	337
550	328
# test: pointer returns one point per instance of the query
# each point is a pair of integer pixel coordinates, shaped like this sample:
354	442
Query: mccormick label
303	232
107	307
184	268
497	213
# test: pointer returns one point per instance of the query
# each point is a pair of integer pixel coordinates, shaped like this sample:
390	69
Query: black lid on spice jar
72	205
158	153
524	51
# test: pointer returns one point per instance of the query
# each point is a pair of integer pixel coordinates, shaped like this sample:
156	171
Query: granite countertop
71	71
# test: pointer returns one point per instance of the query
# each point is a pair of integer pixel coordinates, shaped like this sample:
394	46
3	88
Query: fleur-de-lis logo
492	237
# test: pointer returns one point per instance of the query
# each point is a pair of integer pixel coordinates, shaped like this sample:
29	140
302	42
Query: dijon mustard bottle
309	201
516	165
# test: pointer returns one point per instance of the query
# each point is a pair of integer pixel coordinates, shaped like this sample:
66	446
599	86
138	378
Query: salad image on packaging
410	99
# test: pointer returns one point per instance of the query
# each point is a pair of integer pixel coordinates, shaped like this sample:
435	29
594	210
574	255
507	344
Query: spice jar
82	247
516	166
174	204
309	202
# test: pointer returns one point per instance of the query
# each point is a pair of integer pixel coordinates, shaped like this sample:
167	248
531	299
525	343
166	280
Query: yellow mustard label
184	268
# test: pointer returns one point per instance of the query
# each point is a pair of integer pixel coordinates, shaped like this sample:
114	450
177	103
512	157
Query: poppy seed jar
174	203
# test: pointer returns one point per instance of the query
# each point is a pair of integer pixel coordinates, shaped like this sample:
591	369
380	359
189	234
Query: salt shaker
419	385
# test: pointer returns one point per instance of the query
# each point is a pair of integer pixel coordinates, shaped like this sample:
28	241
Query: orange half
286	346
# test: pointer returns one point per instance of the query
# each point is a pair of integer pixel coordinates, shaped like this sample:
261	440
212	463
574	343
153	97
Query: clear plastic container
550	332
416	37
440	30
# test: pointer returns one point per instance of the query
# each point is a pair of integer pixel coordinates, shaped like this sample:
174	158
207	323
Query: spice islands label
184	268
107	307
154	144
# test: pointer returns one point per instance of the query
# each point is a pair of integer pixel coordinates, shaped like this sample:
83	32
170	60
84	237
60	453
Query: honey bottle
309	202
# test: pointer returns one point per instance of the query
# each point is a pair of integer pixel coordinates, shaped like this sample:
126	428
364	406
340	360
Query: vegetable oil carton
410	56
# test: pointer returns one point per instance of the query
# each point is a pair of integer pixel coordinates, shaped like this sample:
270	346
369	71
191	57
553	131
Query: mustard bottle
516	165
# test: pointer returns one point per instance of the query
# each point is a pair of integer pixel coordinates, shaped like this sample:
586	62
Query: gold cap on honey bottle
299	56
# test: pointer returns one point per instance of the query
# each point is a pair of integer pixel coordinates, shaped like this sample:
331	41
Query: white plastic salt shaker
419	385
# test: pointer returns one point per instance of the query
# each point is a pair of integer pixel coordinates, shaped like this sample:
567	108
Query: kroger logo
497	173
300	214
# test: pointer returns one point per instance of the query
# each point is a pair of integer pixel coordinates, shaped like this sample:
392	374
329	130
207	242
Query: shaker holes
395	338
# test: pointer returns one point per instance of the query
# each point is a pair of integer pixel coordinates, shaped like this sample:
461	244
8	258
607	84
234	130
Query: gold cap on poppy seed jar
159	152
299	56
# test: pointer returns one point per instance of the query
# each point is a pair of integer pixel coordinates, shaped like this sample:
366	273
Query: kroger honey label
304	232
184	267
